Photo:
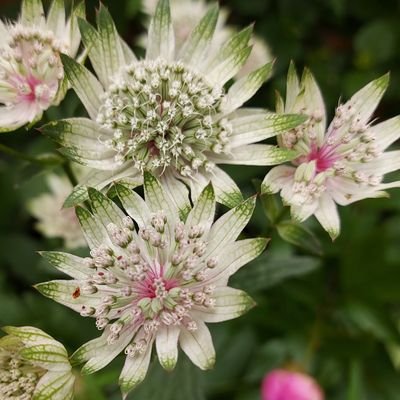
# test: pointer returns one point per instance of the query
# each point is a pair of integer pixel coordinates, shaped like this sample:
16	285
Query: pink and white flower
281	384
31	72
158	284
339	165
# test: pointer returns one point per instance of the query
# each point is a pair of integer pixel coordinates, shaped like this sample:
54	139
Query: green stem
17	154
46	159
70	174
313	344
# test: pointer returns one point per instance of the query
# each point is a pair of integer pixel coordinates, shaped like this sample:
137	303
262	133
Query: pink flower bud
280	384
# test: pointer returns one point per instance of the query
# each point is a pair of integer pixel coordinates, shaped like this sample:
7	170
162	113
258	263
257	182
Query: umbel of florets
33	366
163	114
154	276
31	72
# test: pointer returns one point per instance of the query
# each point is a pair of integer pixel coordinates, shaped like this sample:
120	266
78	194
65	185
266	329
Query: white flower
186	14
53	219
31	72
169	113
158	284
341	164
34	366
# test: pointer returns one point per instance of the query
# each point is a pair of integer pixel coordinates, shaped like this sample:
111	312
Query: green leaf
300	236
356	382
272	207
267	271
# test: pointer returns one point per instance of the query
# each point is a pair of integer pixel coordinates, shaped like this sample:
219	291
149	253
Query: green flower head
33	366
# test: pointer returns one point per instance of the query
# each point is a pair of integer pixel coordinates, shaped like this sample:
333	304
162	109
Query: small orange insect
77	293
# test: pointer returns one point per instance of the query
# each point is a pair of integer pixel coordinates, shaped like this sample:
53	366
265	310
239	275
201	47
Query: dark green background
332	315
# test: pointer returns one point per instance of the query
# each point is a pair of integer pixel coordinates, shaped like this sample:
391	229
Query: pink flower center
155	284
325	157
30	89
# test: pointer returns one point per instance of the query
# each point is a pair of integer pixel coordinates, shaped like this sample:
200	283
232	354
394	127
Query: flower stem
16	154
70	174
47	159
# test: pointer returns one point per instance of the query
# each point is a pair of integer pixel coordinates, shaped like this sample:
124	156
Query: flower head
157	284
33	366
280	384
341	164
31	72
53	220
170	113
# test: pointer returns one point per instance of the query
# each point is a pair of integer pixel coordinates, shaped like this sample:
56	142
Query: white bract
31	72
34	366
54	221
157	284
186	14
341	164
169	113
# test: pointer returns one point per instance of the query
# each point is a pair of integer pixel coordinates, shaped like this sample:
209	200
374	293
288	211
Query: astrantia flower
31	72
280	384
53	219
157	285
186	14
342	164
169	113
34	366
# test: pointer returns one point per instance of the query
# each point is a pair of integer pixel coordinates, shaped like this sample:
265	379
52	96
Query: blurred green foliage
331	309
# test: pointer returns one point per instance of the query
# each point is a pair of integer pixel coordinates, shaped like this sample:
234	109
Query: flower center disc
162	114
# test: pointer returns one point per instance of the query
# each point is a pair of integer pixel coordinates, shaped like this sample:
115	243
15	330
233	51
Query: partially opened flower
341	164
169	113
281	384
157	285
54	221
31	72
34	366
